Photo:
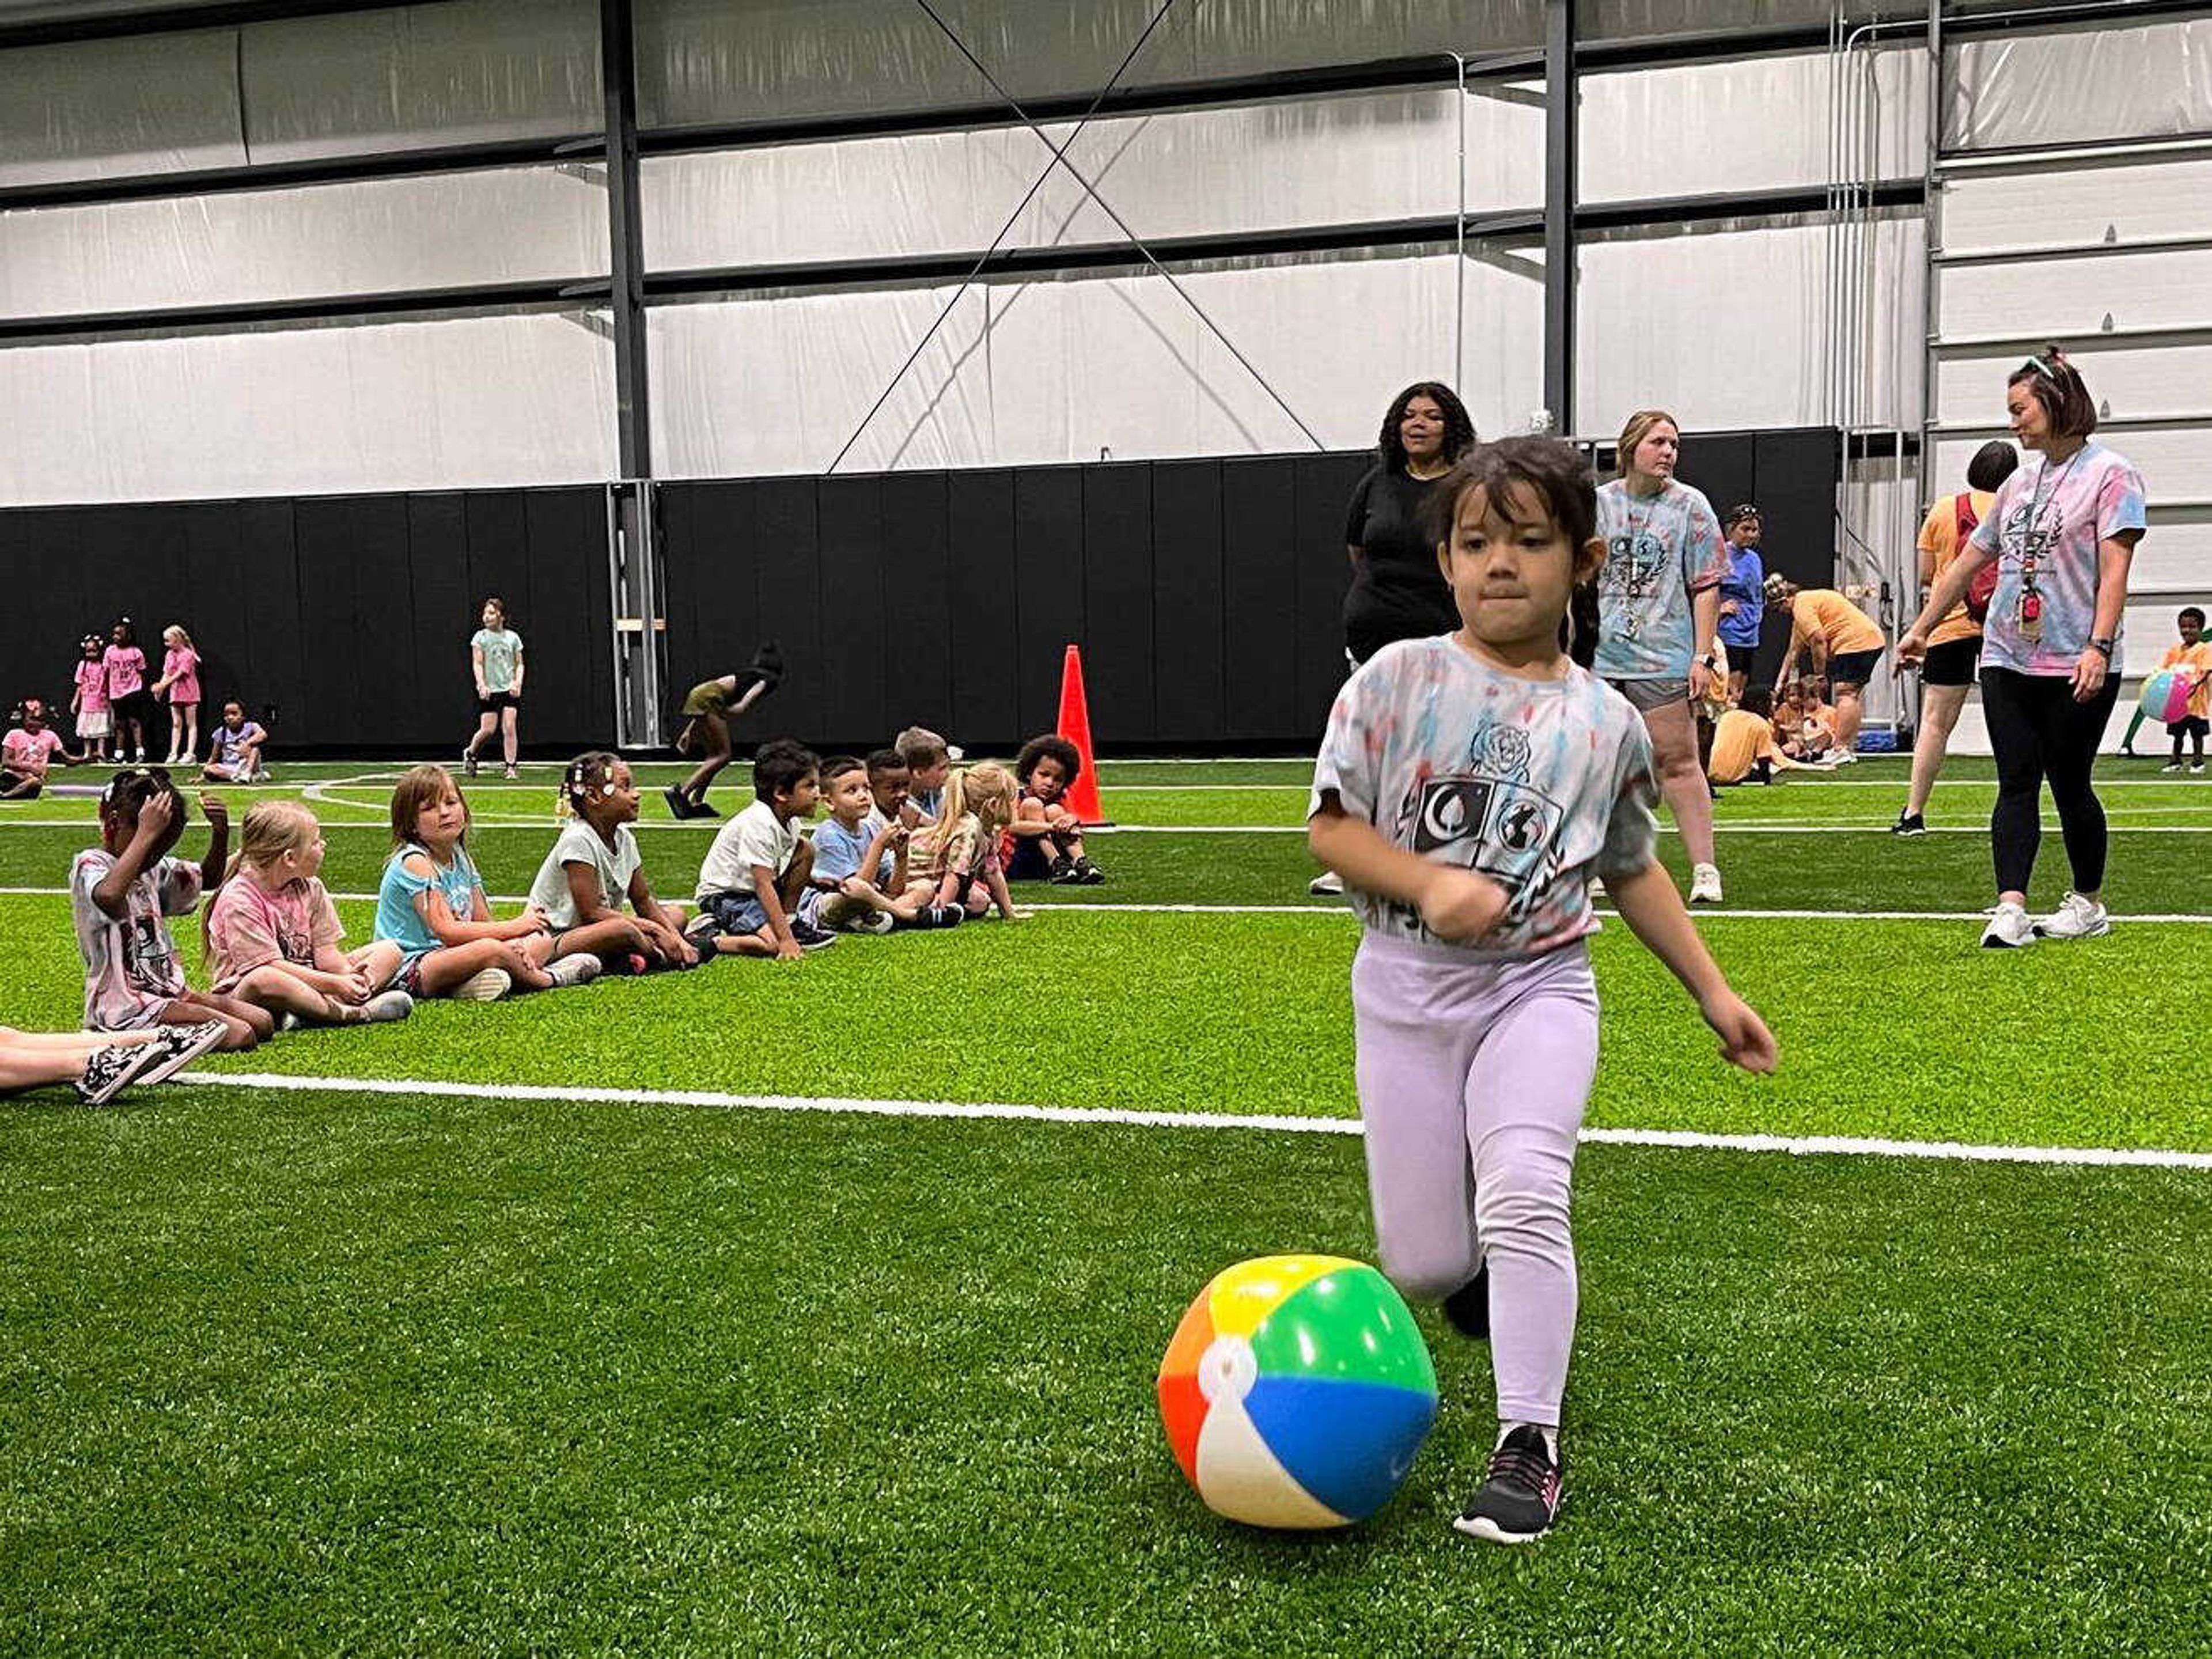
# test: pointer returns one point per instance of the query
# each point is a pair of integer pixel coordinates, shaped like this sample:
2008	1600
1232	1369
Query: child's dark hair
1459	426
1050	746
779	765
2058	386
129	790
2188	610
1758	700
1993	463
130	633
589	774
1742	511
837	765
1553	469
885	760
91	645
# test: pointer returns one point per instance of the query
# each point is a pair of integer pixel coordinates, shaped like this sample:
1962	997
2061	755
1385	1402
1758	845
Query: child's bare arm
1453	904
872	860
154	820
218	850
994	883
584	892
1653	909
659	926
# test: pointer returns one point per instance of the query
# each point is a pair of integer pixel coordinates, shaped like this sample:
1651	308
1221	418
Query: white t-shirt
580	843
1534	783
756	835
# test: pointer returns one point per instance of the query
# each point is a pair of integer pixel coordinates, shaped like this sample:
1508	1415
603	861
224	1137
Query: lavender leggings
1472	1080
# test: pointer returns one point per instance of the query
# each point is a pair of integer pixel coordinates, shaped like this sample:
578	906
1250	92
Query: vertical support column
640	612
1561	120
626	239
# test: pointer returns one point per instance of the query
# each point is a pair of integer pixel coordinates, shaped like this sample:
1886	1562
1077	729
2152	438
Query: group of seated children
32	748
1755	740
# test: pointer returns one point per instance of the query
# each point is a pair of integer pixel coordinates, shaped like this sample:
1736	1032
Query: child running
273	935
1045	841
235	749
1467	787
431	903
121	896
707	714
180	679
88	702
752	878
955	860
595	866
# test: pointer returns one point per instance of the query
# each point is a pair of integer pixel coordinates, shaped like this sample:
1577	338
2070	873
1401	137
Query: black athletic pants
2039	731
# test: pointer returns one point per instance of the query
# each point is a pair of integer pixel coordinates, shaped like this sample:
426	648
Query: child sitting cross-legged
1045	841
859	856
273	936
1745	749
750	883
595	866
955	860
431	904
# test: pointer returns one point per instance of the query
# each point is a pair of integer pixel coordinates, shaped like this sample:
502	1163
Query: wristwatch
2105	646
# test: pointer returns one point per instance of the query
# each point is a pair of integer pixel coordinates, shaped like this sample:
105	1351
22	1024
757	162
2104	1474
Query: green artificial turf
387	1374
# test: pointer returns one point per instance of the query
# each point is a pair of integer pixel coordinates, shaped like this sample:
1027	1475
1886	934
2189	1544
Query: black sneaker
1909	823
1521	1498
108	1072
810	937
679	806
1063	872
1469	1307
944	915
1088	874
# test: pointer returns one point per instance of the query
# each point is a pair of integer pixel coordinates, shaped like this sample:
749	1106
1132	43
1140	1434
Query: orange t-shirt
2197	660
1939	537
1740	740
1843	625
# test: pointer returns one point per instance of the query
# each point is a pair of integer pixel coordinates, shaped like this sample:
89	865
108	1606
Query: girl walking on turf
495	660
125	666
431	903
180	679
1468	787
2063	533
89	700
1660	603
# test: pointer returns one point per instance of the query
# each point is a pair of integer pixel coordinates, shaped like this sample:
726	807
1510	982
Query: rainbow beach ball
1297	1391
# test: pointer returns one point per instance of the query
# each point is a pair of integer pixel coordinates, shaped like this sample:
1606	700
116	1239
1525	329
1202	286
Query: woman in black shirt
1397	591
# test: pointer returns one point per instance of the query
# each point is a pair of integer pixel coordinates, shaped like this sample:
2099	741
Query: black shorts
1952	663
1854	667
497	700
2189	725
1739	657
138	706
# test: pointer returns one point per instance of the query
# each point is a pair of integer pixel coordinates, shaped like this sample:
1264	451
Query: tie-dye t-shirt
1660	552
2055	516
1534	783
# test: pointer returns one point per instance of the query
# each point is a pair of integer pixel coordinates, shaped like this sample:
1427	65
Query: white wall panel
2176	463
2074	296
2176	556
1328	161
475	402
1748	124
2148	79
2005	211
2139	380
105	108
1059	371
511	225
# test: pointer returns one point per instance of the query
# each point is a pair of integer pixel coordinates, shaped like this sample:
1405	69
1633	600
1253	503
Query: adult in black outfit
1398	592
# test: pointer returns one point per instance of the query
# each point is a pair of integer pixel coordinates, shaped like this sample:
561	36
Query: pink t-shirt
126	671
131	973
181	666
30	752
91	686
250	926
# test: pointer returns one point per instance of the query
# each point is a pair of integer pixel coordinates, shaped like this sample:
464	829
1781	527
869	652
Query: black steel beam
167	19
170	320
626	241
1653	210
1562	124
322	170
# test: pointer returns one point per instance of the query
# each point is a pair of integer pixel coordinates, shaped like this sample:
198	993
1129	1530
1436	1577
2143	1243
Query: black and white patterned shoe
1522	1496
108	1072
180	1045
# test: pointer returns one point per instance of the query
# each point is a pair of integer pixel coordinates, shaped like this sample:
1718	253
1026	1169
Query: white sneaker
579	970
1597	889
2171	766
387	1007
486	985
2008	929
1705	883
1326	882
1846	757
2075	918
876	921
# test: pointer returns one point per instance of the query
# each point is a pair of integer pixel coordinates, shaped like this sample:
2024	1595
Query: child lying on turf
273	936
1045	841
594	865
121	896
431	904
955	860
751	881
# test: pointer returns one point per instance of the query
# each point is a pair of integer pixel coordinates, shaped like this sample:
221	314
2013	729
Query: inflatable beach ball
2165	696
1297	1391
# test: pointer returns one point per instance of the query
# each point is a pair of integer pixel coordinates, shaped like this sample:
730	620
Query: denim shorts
735	913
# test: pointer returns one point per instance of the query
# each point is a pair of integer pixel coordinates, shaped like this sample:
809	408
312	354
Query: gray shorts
1648	695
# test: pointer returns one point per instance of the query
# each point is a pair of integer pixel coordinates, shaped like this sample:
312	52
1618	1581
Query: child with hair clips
707	710
1045	841
125	666
595	866
955	860
431	904
1468	786
753	876
100	1065
180	678
273	937
122	893
495	662
88	702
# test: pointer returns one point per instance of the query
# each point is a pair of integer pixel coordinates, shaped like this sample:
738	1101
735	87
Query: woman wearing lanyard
2064	534
1398	592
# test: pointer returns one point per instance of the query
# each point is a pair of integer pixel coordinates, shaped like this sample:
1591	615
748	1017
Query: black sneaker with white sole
108	1072
810	937
1521	1498
1909	823
180	1045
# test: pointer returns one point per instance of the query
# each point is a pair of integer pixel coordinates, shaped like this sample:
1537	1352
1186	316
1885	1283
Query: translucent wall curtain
471	402
1060	371
109	108
2148	79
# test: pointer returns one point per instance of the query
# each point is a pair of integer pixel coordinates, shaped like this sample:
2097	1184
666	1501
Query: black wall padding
349	615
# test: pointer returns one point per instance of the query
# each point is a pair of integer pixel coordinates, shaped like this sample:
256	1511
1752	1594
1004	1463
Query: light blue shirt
838	851
396	918
1661	551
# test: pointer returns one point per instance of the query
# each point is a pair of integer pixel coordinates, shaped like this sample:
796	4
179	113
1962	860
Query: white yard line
1794	1146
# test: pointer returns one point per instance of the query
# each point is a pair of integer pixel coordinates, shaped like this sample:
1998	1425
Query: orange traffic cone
1075	726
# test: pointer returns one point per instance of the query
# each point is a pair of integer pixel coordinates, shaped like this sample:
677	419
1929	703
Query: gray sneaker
387	1007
